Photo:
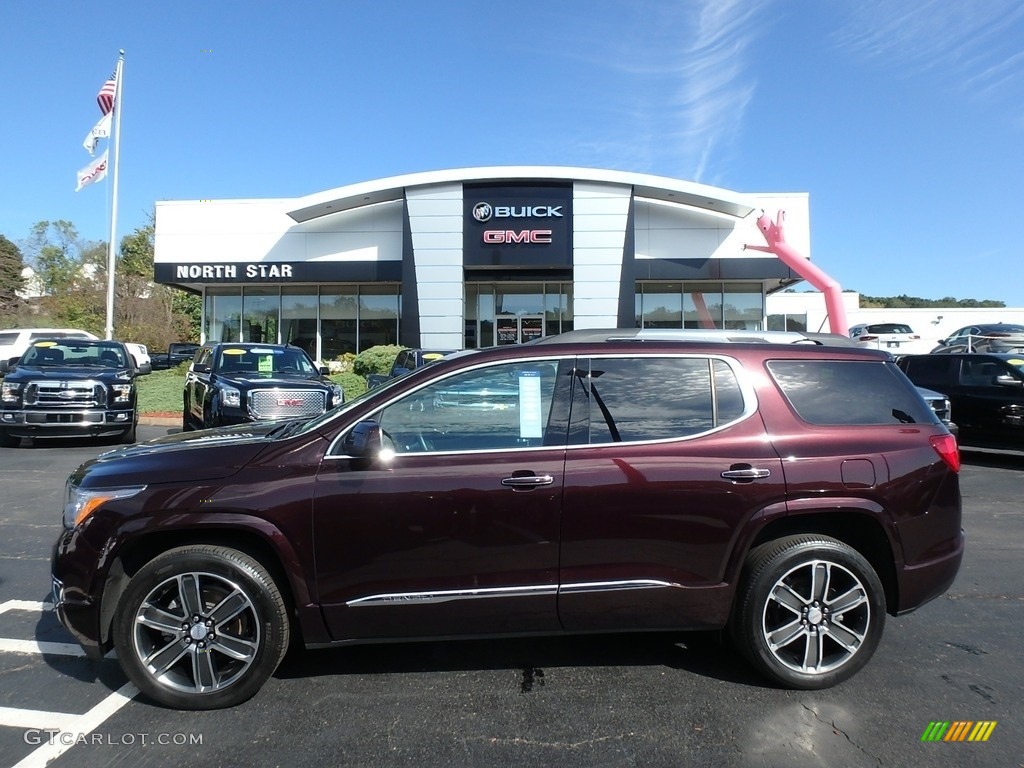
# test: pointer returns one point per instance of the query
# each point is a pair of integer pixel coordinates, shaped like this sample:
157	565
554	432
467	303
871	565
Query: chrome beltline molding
444	596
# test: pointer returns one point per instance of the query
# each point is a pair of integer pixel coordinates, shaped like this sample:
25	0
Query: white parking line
60	730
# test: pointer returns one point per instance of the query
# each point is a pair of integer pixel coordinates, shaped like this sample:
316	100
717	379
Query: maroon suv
791	493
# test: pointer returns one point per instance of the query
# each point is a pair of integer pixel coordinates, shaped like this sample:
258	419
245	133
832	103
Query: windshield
76	352
264	361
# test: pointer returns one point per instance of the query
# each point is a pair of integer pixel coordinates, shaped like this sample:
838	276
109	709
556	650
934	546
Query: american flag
105	98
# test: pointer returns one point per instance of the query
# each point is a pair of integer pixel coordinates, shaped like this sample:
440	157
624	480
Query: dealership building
477	257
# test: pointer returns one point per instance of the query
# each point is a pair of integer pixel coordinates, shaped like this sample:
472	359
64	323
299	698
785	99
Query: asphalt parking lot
647	700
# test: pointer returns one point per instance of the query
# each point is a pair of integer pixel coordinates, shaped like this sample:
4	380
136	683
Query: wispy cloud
681	78
973	44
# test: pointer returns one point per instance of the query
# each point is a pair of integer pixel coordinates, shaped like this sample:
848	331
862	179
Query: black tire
186	425
809	612
201	627
129	436
8	440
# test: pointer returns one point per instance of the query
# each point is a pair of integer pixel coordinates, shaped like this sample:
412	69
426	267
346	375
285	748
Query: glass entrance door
517	329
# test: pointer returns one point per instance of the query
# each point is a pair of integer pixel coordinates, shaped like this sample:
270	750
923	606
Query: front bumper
74	602
71	423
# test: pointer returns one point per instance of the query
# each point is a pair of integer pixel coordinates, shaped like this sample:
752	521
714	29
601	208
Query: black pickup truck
177	353
66	387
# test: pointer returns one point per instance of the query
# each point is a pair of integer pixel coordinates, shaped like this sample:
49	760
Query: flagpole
112	244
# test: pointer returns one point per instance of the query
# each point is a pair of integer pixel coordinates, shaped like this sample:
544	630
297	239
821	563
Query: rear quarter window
842	392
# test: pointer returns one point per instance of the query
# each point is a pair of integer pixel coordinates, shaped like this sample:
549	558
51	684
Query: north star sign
233	271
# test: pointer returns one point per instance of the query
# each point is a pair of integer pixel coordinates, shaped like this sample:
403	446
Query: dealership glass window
786	322
702	305
522	310
261	312
339	311
378	315
743	307
222	314
299	308
660	305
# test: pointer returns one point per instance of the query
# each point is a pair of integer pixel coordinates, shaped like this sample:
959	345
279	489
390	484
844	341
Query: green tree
11	281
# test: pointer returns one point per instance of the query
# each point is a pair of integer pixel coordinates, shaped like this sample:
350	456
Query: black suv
65	387
238	383
792	493
985	391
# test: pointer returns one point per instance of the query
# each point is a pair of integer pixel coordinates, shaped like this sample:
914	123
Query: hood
278	380
209	454
65	373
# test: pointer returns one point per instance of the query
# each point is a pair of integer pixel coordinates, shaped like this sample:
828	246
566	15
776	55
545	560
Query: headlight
10	392
79	504
337	395
231	397
122	393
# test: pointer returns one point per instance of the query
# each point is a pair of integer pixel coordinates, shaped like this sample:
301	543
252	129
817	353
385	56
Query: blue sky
903	119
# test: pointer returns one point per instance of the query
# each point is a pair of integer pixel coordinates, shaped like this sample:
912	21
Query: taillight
946	447
867	338
914	336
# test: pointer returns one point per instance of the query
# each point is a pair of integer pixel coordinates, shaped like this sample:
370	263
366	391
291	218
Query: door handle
527	481
746	474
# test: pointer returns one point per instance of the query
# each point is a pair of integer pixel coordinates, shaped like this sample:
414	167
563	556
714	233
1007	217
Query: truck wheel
201	627
129	436
809	612
8	440
186	425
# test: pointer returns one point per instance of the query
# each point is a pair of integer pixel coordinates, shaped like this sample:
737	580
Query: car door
991	410
457	533
667	459
197	383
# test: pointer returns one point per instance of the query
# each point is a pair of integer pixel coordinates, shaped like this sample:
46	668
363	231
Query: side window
979	373
929	370
493	408
837	392
650	398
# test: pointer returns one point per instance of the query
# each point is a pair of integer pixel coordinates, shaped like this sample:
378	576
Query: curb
159	421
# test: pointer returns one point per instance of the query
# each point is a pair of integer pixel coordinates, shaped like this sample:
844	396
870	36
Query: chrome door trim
541	590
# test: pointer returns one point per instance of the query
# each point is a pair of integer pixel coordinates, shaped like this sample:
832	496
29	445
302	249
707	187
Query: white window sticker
530	421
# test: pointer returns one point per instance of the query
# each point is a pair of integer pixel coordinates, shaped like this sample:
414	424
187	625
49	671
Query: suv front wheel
810	611
201	627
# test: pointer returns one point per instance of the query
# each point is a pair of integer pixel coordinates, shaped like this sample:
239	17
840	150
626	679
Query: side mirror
324	370
145	368
200	368
1006	380
364	441
6	365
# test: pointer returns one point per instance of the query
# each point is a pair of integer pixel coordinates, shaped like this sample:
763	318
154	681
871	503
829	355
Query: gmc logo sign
492	236
289	402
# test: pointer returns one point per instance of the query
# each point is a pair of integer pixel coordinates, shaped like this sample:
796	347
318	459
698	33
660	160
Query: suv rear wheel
201	627
810	611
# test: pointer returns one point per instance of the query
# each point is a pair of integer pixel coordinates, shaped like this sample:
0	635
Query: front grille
66	394
286	403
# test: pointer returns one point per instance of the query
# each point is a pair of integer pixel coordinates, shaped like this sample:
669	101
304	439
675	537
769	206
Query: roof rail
695	335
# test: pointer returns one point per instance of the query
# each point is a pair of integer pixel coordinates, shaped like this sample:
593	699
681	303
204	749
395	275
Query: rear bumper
923	582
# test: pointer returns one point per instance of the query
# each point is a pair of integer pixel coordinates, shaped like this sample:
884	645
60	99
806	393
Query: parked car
178	352
14	341
69	387
238	383
993	337
897	338
139	353
410	359
986	392
791	493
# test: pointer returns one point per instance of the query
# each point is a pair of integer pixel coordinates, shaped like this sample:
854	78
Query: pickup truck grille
286	403
66	394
